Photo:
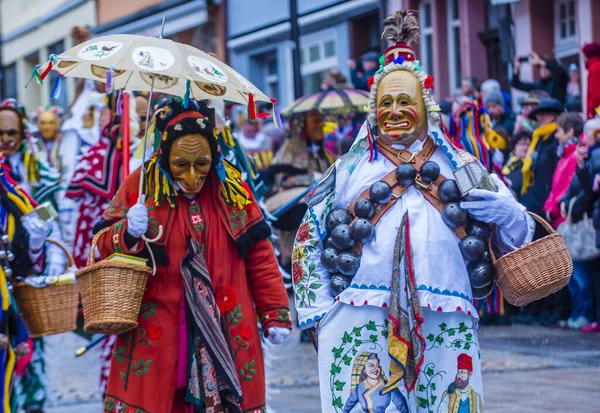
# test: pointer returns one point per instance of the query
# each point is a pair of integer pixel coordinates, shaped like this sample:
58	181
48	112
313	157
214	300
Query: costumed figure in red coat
197	346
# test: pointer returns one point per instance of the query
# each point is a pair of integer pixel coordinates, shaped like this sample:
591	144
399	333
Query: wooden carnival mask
48	125
10	132
189	161
314	126
401	113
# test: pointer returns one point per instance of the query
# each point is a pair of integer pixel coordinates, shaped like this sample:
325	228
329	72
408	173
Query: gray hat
371	55
494	96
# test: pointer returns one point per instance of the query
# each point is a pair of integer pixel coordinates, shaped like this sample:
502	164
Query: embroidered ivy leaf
432	385
433	399
120	360
315	286
373	338
145	370
139	373
385	333
311	266
468	336
122	375
451	332
422	388
429	372
248	377
357	331
149	362
337	402
347	360
423	403
312	296
430	337
439	340
242	372
246	366
358	343
148	344
371	326
457	344
239	315
467	346
252	363
462	327
134	365
339	385
335	369
346	338
337	352
354	351
443	326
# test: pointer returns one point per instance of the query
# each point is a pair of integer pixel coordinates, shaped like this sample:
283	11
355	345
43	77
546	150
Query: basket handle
536	217
91	260
64	249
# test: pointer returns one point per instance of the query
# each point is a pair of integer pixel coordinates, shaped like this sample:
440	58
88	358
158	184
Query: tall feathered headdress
402	30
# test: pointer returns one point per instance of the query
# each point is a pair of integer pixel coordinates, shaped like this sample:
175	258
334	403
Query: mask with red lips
401	114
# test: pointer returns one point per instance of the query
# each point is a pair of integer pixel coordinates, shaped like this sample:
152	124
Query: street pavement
526	369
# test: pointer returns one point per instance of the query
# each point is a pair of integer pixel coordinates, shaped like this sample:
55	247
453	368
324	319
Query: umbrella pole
145	147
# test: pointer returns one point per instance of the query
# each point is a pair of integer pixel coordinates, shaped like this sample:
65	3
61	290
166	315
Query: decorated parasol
329	101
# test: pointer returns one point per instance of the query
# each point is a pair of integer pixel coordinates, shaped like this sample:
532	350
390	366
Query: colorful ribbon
57	88
188	90
276	116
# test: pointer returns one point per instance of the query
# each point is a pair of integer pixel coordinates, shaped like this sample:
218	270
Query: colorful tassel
110	73
276	116
251	108
51	63
373	152
57	88
188	90
119	103
221	170
35	74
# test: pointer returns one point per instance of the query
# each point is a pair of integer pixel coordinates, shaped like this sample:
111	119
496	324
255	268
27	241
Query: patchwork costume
386	264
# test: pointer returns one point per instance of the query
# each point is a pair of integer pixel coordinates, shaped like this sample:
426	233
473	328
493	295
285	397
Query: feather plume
401	26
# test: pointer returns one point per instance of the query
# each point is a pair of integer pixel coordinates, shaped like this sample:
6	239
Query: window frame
426	31
323	63
452	53
568	45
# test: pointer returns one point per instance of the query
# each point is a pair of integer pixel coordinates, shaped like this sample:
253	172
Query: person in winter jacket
554	78
568	130
512	169
591	51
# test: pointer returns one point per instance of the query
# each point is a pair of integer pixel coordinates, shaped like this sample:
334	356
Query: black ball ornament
338	283
472	248
364	208
406	173
453	215
341	237
327	243
479	229
481	293
362	230
329	259
430	171
336	217
348	263
480	273
448	191
380	193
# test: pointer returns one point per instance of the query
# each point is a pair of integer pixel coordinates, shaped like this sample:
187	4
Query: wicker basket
536	270
111	294
48	310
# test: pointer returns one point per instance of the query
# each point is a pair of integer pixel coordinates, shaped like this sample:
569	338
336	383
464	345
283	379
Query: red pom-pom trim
370	81
428	82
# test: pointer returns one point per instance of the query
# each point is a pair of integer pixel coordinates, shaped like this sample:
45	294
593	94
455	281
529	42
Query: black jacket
544	164
556	86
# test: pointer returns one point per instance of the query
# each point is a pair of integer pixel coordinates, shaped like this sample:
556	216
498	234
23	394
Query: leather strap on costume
429	191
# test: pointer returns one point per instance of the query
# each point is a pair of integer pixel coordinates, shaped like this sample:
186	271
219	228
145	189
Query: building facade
331	32
31	31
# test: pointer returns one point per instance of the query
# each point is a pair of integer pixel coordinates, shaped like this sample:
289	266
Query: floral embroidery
117	208
458	338
305	277
133	339
425	392
303	233
113	404
237	219
367	334
226	299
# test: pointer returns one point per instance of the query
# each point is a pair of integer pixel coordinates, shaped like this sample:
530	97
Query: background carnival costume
197	339
387	260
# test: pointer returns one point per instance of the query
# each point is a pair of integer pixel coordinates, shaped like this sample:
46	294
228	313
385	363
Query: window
319	53
271	75
57	48
426	23
565	28
10	81
454	45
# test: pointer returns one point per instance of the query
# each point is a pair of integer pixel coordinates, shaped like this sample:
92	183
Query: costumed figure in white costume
387	260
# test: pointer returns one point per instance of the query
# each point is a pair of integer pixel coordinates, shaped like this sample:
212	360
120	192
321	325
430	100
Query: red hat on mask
591	49
465	362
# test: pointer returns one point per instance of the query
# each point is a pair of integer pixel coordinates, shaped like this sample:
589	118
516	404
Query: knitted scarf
543	133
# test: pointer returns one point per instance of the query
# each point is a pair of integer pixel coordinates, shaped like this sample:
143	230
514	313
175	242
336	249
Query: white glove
500	208
277	335
137	220
38	231
54	268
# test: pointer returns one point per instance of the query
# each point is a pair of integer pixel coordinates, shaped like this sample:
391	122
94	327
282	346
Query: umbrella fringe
57	88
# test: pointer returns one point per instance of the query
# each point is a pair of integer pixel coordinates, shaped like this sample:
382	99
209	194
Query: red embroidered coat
143	375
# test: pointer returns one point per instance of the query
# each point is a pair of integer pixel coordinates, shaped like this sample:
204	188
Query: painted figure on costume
391	254
369	384
216	273
460	397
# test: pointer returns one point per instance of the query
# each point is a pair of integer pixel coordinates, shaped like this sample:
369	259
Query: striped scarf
208	340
